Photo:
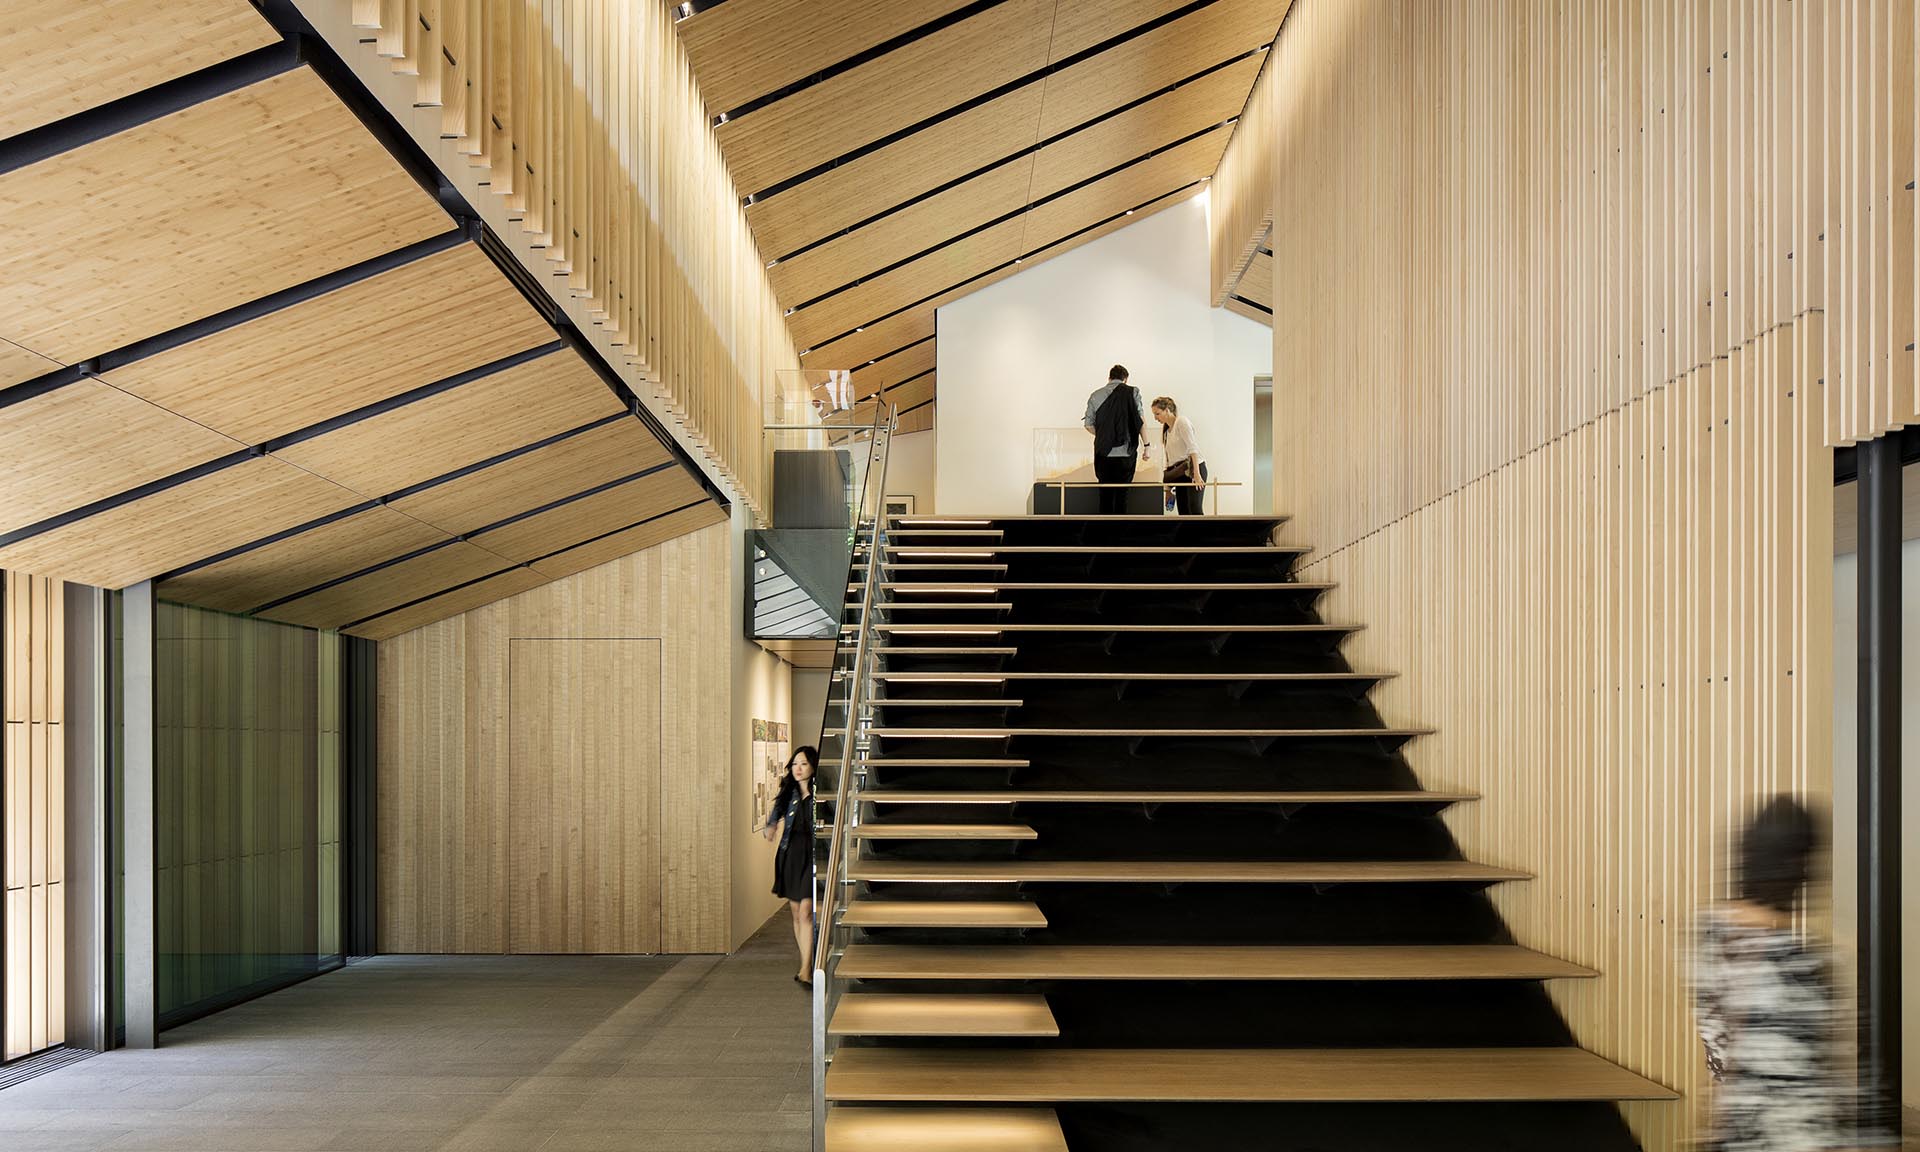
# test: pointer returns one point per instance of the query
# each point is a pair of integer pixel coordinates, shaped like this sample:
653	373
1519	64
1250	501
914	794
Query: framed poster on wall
769	754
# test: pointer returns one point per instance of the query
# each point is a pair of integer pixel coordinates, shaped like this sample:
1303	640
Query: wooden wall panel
445	760
585	118
1566	315
583	781
1241	211
33	814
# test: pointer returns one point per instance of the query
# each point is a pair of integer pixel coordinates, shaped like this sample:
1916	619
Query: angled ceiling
264	364
894	157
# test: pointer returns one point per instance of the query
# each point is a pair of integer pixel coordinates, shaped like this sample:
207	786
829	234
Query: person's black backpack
1117	422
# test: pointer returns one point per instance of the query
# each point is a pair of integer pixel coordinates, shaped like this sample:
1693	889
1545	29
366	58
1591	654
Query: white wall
910	469
1024	353
762	688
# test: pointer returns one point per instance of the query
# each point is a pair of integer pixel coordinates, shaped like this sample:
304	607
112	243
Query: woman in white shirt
1185	471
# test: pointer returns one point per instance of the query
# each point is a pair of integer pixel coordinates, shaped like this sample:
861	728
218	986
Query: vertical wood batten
584	118
1571	302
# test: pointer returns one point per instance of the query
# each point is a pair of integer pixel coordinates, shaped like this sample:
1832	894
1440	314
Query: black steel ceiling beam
1018	212
463	538
1015	85
233	317
864	56
242	455
513	567
147	105
399	494
1030	150
1002	266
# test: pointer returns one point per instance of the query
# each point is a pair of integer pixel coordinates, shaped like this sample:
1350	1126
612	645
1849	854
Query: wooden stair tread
1418	962
943	914
1008	733
1182	871
1209	629
896	831
1108	586
937	1014
1319	1075
1153	674
1086	796
871	1129
967	551
888	650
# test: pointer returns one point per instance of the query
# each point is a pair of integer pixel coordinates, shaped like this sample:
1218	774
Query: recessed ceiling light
1129	211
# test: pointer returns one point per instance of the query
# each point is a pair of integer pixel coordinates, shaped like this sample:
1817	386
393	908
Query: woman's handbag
1179	472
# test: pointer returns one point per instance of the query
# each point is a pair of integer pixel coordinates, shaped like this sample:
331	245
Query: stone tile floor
470	1053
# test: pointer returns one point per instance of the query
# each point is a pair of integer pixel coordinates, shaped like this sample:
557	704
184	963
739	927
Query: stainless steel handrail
832	879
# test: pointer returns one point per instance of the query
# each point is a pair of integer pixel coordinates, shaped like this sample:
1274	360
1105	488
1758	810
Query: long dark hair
1776	851
788	784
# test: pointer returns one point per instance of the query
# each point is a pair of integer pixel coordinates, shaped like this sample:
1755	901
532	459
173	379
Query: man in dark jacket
1115	415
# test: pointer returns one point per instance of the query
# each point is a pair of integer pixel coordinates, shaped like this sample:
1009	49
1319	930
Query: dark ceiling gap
232	317
92	125
1023	153
514	567
1253	303
1172	192
463	538
897	351
1013	215
1084	54
866	56
243	455
389	498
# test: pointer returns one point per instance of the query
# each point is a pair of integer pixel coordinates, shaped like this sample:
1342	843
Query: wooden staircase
1136	865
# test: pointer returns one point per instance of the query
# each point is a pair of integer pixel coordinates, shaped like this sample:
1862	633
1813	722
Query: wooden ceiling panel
18	364
473	422
921	278
59	57
898	368
1158	58
236	198
887	94
918	323
1240	307
841	197
1148	180
631	540
744	50
87	441
582	520
387	588
911	394
1256	283
1210	100
540	477
172	529
449	603
918	420
999	191
856	349
369	341
307	560
1081	24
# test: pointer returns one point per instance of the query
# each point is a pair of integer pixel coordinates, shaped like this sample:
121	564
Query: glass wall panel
247	813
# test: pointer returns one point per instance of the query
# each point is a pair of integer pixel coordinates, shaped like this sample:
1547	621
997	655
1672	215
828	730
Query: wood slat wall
1241	209
1556	288
452	851
33	814
585	117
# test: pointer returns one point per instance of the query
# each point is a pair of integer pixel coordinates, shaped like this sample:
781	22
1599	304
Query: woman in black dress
792	816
